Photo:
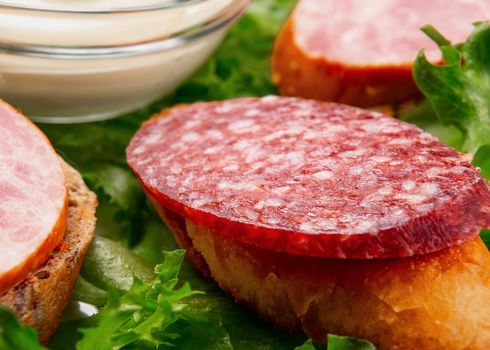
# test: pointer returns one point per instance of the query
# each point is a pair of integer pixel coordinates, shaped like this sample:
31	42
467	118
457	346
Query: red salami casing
310	178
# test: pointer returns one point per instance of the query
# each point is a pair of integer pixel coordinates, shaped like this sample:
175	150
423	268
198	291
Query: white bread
436	301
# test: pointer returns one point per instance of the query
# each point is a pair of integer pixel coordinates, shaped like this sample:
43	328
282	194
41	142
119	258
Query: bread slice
41	298
434	301
296	73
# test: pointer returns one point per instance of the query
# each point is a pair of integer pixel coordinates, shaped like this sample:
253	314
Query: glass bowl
82	60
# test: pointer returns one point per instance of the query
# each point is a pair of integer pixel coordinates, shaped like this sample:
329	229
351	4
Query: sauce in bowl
65	62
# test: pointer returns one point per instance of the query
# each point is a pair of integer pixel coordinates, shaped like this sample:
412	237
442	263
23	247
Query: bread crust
435	301
38	257
40	299
296	73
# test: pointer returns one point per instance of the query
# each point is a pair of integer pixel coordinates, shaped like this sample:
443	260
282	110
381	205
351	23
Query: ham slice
361	52
33	205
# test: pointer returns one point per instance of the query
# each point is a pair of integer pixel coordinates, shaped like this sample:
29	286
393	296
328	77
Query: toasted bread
434	301
295	73
40	299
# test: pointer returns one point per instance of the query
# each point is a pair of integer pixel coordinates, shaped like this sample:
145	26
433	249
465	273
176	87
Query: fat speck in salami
310	178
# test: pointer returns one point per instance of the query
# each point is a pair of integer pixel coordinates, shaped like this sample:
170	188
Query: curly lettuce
459	89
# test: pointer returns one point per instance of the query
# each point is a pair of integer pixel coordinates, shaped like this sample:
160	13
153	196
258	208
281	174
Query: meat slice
361	52
33	205
310	178
40	299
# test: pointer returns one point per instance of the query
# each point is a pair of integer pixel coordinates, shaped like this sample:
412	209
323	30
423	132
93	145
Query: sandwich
47	222
325	217
362	53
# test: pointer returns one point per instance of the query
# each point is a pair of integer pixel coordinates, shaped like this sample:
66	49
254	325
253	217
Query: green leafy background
130	238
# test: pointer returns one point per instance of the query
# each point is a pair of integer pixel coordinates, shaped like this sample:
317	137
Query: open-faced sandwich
47	221
325	217
362	52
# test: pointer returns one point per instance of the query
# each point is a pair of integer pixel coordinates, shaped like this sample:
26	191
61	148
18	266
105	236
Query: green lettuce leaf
485	236
459	89
88	293
459	94
335	342
308	345
482	160
110	264
120	190
424	116
13	335
141	317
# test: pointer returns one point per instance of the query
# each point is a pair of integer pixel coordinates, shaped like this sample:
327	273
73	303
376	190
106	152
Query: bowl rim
222	20
155	6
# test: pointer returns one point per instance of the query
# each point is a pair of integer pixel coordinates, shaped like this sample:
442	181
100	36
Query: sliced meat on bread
33	206
326	217
361	53
41	297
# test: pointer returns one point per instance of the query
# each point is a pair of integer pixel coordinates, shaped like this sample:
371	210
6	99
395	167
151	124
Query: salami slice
310	178
361	52
33	198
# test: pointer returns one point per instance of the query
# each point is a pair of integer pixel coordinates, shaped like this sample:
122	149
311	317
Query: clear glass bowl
76	61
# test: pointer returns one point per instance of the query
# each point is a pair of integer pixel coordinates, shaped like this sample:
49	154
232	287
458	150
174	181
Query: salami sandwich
361	52
47	221
325	217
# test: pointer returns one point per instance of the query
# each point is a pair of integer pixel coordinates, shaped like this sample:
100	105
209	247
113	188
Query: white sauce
91	89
